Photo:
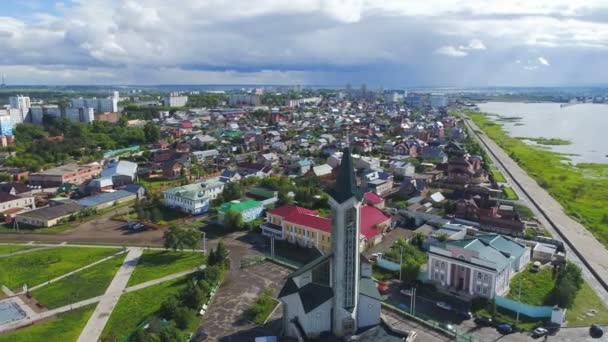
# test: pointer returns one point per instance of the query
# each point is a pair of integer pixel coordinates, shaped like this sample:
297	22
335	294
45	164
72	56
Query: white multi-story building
98	105
478	266
308	100
244	99
36	113
81	114
193	198
19	106
393	97
175	100
84	115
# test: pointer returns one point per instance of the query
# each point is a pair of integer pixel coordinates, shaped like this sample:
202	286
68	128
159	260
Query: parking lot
226	319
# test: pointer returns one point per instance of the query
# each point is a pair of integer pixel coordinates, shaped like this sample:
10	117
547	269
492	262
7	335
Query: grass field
587	299
536	287
157	264
134	307
509	193
37	267
83	285
581	189
6	249
498	176
51	230
65	327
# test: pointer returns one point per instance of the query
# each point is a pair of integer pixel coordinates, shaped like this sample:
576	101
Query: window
485	278
443	264
485	290
442	276
478	276
436	263
478	288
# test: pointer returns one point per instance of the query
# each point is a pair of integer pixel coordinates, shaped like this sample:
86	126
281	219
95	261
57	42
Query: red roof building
374	199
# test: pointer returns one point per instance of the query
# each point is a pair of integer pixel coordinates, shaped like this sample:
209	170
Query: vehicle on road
406	292
466	315
411	336
504	329
539	332
483	321
596	331
444	305
376	255
135	225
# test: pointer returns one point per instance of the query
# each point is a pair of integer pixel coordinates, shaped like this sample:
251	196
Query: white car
406	292
539	332
411	336
444	305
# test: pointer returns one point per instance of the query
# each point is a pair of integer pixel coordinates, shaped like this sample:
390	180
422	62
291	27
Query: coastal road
581	246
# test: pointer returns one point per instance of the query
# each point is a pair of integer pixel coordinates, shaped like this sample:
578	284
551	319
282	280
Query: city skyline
381	43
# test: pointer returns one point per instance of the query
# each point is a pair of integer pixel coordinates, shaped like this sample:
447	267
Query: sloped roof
370	217
373	197
367	287
316	222
239	206
122	167
288	210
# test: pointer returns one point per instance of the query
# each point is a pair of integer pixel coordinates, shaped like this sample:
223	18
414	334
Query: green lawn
536	287
498	177
37	267
134	307
587	299
262	307
6	249
83	285
66	327
50	230
581	189
155	264
509	193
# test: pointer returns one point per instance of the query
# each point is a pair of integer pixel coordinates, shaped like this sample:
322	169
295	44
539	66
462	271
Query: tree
151	132
192	296
184	317
172	238
233	220
155	215
171	334
569	281
181	237
168	308
232	191
221	255
284	198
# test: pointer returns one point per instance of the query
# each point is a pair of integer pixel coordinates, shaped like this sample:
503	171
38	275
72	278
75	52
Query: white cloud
451	51
543	61
474	44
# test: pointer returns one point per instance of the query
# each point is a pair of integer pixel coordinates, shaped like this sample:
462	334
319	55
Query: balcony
272	230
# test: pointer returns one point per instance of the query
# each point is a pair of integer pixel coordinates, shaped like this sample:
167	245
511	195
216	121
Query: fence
524	309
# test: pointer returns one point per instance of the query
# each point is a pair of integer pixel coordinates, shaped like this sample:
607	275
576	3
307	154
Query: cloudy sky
391	43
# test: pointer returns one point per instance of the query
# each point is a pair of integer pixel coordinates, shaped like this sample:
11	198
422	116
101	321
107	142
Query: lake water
585	125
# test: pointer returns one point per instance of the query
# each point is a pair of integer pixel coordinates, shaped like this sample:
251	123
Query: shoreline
579	188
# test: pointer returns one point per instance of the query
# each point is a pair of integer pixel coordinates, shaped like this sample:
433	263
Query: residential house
373	199
401	168
466	170
379	182
414	187
433	154
193	198
121	172
230	176
321	171
480	266
491	214
258	170
249	210
176	168
107	199
68	173
268	159
368	163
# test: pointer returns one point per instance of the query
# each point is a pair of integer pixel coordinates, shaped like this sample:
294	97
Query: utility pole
400	261
204	242
518	304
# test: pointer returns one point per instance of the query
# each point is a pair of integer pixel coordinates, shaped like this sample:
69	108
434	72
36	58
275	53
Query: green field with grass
65	327
262	307
86	284
498	176
39	266
582	189
509	193
547	141
155	264
7	249
61	228
586	300
536	287
134	307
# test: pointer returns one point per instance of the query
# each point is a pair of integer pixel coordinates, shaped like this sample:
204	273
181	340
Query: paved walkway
24	251
99	318
164	279
533	194
72	272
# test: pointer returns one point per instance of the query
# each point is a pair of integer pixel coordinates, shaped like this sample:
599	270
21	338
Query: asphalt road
537	198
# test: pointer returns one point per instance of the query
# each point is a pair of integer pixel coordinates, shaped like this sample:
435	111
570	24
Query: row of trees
179	311
181	238
568	282
81	142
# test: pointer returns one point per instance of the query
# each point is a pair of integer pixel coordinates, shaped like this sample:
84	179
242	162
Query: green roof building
249	209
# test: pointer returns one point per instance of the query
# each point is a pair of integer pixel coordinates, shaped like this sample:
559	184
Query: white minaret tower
345	202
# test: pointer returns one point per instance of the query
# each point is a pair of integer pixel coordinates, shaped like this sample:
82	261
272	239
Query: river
584	125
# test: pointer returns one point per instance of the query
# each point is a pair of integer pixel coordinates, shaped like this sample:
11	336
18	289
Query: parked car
596	331
504	329
483	321
535	266
135	225
444	305
539	332
466	315
406	292
411	336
